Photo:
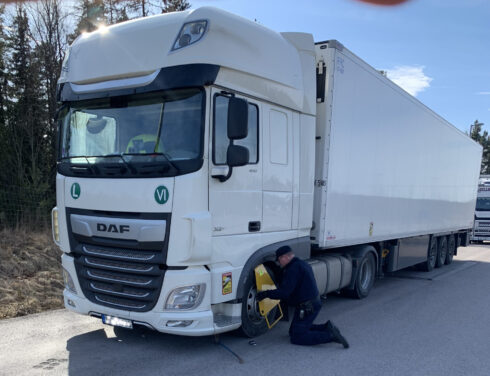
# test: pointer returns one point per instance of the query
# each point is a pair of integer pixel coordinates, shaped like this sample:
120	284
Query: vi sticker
161	194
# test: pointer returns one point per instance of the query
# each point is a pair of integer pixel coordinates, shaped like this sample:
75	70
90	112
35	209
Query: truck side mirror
237	156
237	118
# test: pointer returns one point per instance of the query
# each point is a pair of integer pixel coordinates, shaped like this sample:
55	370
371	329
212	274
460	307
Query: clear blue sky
437	49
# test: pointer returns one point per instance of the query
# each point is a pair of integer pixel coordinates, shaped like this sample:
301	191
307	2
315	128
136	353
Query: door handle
254	226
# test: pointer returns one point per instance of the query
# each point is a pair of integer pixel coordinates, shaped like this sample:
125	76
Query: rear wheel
441	251
451	249
430	263
365	277
253	324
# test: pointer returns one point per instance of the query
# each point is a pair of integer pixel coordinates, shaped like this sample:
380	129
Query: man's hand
261	295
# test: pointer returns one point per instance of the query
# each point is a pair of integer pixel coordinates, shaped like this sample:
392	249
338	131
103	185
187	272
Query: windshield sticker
161	194
75	190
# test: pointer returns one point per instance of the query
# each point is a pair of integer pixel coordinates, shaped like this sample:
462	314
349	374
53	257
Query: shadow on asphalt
121	351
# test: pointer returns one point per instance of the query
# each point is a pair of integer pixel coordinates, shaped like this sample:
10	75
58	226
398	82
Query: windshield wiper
121	156
78	169
164	155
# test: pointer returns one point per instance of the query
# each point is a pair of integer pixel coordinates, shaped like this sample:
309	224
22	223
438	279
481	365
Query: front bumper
202	317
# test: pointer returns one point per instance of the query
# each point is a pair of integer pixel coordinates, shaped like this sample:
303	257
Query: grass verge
30	273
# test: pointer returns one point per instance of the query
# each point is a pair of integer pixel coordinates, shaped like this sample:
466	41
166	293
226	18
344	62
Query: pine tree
175	5
26	116
48	20
91	16
3	104
484	140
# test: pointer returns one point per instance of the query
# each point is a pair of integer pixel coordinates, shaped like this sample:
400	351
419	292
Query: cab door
235	204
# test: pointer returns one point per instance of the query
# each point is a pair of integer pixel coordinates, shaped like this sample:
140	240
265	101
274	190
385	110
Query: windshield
163	130
483	204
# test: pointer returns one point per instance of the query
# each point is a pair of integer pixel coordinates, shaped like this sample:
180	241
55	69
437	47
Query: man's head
284	255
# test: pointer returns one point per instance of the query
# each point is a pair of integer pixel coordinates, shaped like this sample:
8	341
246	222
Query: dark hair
283	250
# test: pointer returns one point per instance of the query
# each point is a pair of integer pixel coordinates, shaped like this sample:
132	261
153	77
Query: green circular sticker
161	194
75	190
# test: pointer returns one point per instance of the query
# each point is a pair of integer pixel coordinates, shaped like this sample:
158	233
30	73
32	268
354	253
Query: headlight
55	226
69	284
187	297
190	33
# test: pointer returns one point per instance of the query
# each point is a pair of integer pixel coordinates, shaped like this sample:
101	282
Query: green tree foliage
49	36
175	5
91	14
484	140
33	39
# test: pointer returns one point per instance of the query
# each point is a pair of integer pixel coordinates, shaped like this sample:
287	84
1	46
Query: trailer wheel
430	263
253	324
441	251
365	276
451	249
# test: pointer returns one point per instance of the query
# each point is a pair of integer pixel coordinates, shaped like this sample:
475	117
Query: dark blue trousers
304	332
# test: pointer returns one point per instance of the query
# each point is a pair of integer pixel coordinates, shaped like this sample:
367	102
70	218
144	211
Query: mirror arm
223	178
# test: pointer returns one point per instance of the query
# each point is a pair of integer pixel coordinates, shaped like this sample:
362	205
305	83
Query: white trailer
194	144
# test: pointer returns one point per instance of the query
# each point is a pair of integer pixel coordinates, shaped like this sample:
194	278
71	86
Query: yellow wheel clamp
264	282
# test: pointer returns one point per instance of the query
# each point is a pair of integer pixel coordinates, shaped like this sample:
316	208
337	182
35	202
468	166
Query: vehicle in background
481	227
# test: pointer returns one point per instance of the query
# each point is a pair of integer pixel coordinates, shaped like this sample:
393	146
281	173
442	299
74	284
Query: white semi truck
481	228
193	144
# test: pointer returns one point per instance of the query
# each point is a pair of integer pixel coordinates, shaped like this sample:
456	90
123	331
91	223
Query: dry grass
30	273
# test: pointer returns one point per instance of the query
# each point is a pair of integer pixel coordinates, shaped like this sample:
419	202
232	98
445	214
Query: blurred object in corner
384	2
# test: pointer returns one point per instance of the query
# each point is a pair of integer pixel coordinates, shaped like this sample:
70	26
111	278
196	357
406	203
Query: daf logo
102	227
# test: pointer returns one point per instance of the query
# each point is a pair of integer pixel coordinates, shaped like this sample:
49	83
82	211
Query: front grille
117	273
130	282
482	231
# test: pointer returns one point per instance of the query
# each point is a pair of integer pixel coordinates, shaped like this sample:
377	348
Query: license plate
117	321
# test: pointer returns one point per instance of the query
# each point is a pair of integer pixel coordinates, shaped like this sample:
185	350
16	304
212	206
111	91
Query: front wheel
253	323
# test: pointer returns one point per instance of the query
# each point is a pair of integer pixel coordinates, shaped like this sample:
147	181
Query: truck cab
481	228
181	155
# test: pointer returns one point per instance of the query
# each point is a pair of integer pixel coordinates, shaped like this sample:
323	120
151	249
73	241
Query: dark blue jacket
298	283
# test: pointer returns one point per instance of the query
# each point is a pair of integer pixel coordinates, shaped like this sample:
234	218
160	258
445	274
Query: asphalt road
413	323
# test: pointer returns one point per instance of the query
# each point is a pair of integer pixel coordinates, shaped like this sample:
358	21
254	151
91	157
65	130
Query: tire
253	324
441	251
429	264
365	277
451	249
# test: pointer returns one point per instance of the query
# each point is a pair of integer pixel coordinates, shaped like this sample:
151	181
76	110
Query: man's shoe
336	336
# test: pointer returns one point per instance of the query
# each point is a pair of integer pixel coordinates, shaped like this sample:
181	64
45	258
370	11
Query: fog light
70	302
187	297
69	284
179	323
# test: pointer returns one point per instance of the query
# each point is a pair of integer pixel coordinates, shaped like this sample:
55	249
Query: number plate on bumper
116	321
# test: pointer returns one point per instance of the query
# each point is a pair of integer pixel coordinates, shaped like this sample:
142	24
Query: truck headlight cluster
69	284
190	33
55	226
187	297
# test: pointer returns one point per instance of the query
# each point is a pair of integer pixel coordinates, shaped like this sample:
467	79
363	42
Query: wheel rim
366	274
253	306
